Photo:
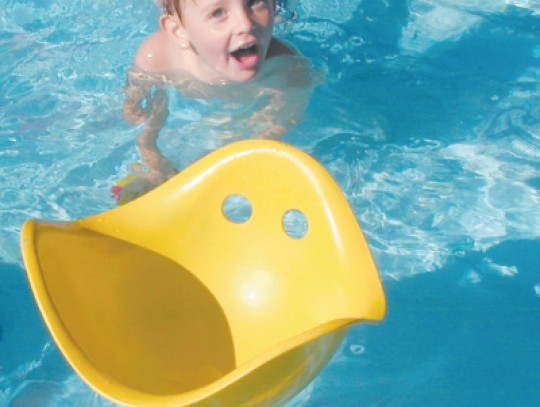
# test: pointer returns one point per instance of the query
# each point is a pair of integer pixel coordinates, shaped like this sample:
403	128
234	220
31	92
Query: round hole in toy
237	208
295	223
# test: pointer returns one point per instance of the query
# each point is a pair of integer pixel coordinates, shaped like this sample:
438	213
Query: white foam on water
426	202
339	11
432	22
73	388
505	205
427	28
532	5
12	383
421	203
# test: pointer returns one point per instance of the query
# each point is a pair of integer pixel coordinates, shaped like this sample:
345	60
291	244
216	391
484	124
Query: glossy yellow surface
167	302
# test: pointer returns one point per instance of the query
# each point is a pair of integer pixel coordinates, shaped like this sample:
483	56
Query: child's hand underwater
140	181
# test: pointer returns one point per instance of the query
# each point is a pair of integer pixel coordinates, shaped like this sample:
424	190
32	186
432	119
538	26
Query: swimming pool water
429	119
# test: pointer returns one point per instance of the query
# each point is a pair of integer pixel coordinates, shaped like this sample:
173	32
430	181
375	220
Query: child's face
230	38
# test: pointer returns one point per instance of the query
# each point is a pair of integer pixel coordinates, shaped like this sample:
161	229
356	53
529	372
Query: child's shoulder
156	53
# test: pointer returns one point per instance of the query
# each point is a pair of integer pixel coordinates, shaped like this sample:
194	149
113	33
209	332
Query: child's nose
244	21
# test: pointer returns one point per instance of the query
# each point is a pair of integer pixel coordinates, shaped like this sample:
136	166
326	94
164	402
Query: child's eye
217	13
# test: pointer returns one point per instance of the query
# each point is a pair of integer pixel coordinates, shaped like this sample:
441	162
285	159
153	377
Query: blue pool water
429	119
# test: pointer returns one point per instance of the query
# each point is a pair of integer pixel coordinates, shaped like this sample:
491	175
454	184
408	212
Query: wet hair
173	6
169	6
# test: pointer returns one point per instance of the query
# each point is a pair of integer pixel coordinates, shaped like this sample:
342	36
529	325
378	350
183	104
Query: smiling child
211	49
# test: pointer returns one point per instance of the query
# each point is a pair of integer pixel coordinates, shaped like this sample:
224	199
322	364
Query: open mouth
245	53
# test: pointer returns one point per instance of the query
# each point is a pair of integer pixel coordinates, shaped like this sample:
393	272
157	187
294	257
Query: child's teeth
244	50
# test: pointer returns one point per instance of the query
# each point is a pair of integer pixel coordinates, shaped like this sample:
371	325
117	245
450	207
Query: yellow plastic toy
173	300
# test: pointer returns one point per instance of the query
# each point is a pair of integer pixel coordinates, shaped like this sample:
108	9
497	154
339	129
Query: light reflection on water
428	120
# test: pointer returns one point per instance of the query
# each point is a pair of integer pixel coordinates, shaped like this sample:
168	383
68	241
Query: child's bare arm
146	103
136	95
158	166
151	61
